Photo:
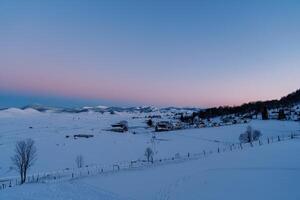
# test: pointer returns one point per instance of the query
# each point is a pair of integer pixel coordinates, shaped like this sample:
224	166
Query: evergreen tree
264	113
281	115
150	123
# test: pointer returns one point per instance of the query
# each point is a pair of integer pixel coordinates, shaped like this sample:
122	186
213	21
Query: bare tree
149	154
256	135
24	158
250	135
79	161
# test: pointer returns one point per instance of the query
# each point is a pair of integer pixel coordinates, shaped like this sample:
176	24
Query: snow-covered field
266	172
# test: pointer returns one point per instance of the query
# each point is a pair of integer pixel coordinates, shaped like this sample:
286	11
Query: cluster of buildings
285	113
174	122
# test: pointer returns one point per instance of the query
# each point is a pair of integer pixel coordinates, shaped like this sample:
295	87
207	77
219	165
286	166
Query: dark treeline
252	107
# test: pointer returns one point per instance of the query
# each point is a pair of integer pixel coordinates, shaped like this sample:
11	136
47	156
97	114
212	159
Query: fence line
70	174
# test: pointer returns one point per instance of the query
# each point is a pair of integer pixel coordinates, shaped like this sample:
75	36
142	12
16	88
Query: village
188	120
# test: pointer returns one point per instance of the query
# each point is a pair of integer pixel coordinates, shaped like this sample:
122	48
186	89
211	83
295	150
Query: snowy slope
49	130
266	172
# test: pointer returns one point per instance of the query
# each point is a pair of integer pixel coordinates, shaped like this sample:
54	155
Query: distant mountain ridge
286	101
102	109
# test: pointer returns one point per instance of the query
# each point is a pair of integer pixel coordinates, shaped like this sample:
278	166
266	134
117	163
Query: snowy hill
101	109
204	169
53	134
266	172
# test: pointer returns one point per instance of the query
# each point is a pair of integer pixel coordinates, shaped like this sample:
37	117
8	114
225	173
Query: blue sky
183	53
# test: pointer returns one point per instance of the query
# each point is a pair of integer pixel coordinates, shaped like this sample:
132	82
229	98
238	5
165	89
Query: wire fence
76	173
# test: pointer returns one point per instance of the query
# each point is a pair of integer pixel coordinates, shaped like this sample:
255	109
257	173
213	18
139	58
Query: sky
139	52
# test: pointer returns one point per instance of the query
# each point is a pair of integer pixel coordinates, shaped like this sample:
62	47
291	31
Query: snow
266	172
13	112
63	191
102	107
49	130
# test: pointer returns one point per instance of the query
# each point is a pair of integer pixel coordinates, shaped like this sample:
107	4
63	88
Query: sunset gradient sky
137	52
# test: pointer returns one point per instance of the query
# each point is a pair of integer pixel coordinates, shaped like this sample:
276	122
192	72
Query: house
201	124
163	126
178	125
215	124
121	126
154	116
